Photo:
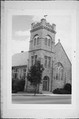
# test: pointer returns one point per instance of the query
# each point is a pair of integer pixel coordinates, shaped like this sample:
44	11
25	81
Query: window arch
58	74
48	40
36	39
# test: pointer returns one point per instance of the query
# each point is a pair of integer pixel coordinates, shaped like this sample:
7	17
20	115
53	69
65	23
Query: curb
39	95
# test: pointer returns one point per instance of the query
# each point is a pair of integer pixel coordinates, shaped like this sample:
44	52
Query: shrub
17	85
65	90
61	91
67	87
14	86
20	85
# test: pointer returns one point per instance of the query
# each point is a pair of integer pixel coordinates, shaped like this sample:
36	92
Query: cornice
43	27
19	66
41	49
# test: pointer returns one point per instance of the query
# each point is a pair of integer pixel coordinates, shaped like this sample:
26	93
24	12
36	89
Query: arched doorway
46	83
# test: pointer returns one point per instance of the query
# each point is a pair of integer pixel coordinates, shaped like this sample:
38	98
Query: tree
34	75
68	87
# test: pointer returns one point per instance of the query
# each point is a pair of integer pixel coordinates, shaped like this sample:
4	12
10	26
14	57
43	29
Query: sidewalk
44	94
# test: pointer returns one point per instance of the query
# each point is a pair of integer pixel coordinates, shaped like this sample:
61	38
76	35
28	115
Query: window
56	76
45	41
48	40
49	61
35	58
59	71
45	61
15	70
36	39
24	72
32	58
15	75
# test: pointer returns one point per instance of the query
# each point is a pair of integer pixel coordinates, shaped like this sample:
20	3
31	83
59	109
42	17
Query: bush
14	86
20	85
65	90
67	87
60	91
17	85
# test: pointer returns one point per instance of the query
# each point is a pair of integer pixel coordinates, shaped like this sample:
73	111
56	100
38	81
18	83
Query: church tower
42	42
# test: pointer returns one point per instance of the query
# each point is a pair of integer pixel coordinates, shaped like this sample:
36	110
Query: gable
61	56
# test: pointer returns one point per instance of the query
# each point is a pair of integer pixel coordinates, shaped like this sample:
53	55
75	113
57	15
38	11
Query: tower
41	48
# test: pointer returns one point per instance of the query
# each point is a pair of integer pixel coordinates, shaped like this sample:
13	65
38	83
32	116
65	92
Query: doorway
46	83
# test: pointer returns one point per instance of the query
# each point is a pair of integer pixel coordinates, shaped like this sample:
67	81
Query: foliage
67	87
14	85
34	74
21	84
17	85
60	91
65	90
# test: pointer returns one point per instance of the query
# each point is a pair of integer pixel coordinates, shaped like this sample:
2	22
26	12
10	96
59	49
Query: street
41	99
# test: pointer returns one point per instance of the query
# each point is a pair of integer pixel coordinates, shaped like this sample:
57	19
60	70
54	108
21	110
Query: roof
20	59
57	45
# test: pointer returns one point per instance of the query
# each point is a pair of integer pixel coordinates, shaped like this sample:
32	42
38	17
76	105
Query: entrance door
46	83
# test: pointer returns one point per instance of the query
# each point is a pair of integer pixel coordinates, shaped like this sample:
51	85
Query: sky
21	26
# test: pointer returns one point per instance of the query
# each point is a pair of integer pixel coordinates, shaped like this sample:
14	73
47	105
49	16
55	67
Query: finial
45	16
58	40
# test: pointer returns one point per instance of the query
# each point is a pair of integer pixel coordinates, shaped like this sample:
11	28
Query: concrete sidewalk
43	94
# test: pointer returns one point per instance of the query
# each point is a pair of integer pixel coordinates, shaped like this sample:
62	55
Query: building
57	66
19	65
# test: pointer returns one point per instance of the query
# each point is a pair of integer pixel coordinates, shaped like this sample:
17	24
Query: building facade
19	65
57	66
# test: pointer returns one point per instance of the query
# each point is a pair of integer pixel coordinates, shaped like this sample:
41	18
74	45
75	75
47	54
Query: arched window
58	71
45	41
48	40
36	39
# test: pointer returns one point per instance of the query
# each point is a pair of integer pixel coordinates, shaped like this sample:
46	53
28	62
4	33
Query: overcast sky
21	25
